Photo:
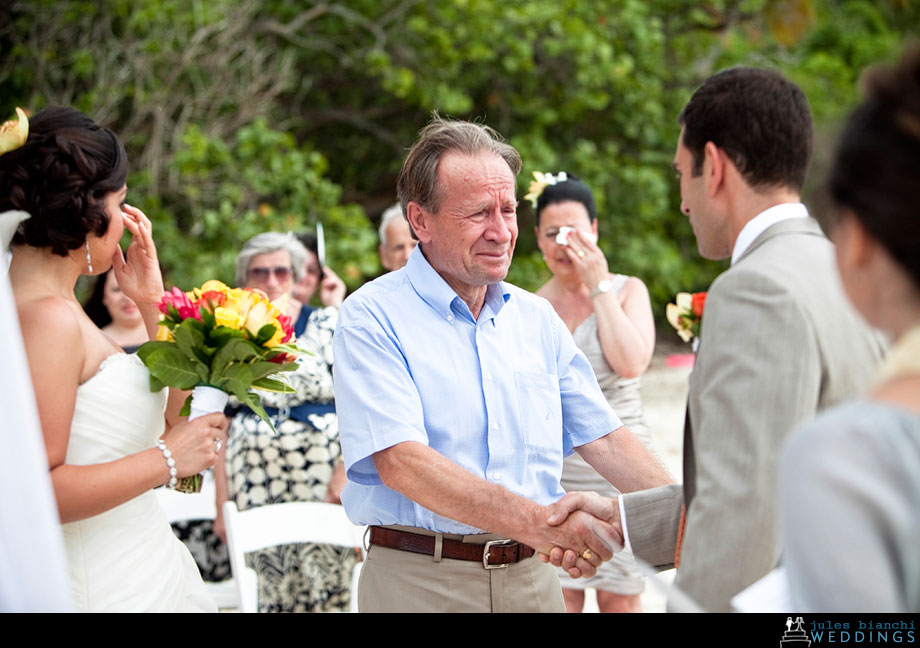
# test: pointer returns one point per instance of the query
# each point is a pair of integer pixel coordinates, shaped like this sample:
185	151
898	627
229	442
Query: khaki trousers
401	581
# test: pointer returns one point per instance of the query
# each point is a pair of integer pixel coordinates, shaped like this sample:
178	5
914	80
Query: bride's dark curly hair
61	176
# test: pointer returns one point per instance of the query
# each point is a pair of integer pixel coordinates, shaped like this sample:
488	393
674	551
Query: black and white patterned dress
294	465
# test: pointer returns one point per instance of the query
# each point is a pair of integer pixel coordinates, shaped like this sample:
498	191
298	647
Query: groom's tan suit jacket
779	341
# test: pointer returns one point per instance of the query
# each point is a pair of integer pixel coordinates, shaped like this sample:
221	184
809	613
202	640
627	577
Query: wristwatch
604	285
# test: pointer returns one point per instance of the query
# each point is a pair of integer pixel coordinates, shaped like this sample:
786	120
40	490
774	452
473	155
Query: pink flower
181	302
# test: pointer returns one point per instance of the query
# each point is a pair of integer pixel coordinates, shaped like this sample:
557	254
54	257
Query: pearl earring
89	260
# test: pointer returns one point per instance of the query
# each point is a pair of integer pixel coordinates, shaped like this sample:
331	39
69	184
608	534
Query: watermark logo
869	631
795	635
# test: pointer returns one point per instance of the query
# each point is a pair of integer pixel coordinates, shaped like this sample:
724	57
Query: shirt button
488	376
450	318
495	476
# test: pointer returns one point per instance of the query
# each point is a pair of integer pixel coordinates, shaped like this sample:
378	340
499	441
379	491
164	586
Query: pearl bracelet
173	473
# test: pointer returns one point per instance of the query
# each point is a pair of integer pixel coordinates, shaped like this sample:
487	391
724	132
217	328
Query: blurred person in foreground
459	395
778	339
849	482
396	242
301	462
610	318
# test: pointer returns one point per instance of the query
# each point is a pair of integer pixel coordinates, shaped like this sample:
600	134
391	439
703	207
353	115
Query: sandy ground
664	395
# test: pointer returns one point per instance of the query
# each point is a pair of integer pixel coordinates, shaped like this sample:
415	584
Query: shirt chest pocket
540	411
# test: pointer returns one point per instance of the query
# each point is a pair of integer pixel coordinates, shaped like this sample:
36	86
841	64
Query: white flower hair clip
540	182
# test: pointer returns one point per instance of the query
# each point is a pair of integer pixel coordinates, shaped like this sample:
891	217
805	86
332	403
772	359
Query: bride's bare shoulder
47	313
50	328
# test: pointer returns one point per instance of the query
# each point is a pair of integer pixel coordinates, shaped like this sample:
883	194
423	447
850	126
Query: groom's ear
715	166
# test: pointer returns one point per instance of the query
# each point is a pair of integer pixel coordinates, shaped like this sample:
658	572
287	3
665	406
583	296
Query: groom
779	340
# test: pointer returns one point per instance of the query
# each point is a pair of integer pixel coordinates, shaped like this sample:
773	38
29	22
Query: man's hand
430	479
603	521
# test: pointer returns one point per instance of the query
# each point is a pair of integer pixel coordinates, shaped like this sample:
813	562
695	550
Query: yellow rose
261	313
240	301
214	284
14	134
164	334
228	317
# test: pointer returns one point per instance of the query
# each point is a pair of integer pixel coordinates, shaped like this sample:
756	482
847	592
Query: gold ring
587	554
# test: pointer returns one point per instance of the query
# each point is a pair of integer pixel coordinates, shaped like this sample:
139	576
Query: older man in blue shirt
458	396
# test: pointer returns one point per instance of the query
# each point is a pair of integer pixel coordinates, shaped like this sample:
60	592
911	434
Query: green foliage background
242	116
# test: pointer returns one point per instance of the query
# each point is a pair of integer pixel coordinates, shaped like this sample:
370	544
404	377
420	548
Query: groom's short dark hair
759	118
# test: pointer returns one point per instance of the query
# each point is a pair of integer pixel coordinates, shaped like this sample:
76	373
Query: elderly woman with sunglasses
302	461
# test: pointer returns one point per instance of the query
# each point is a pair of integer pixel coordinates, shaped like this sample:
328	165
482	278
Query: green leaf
261	369
255	404
186	406
188	337
272	385
265	334
172	367
235	351
236	379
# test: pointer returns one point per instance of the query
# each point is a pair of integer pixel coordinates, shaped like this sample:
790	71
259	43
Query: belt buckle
489	545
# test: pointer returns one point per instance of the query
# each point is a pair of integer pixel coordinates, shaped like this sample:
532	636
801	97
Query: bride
103	428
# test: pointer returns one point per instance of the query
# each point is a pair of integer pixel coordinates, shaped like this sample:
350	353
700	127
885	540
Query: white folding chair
180	507
286	523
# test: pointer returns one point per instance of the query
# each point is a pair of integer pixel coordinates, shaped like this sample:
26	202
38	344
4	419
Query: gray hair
389	215
418	178
266	243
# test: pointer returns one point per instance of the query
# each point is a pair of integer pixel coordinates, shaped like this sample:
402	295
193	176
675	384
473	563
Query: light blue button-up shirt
506	396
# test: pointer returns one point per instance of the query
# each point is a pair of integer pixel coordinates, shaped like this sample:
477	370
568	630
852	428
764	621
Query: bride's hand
193	444
138	270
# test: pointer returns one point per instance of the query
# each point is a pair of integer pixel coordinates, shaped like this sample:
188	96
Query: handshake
582	530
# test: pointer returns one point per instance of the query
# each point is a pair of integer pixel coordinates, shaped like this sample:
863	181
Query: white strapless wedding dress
126	559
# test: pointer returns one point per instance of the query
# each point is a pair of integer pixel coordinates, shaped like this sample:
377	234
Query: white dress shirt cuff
626	545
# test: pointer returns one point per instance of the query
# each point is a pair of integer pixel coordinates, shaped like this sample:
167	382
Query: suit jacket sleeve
758	374
652	519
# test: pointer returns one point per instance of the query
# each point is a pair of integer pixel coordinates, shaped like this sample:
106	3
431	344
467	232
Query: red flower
285	322
211	299
697	303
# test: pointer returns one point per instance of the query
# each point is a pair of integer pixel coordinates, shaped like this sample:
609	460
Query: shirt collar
761	222
432	288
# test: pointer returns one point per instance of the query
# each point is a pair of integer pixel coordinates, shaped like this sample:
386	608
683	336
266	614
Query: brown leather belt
493	554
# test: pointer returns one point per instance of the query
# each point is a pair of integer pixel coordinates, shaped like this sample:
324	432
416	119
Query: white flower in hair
540	182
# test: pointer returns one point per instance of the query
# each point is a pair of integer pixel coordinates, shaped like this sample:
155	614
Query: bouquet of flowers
685	316
220	341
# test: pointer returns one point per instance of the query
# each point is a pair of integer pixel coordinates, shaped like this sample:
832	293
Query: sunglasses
261	275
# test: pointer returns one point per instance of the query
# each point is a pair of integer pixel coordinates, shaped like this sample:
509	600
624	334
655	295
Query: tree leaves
243	116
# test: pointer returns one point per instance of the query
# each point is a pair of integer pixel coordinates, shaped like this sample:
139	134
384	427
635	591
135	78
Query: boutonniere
686	315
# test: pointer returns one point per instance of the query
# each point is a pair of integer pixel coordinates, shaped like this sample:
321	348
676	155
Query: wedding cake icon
794	637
